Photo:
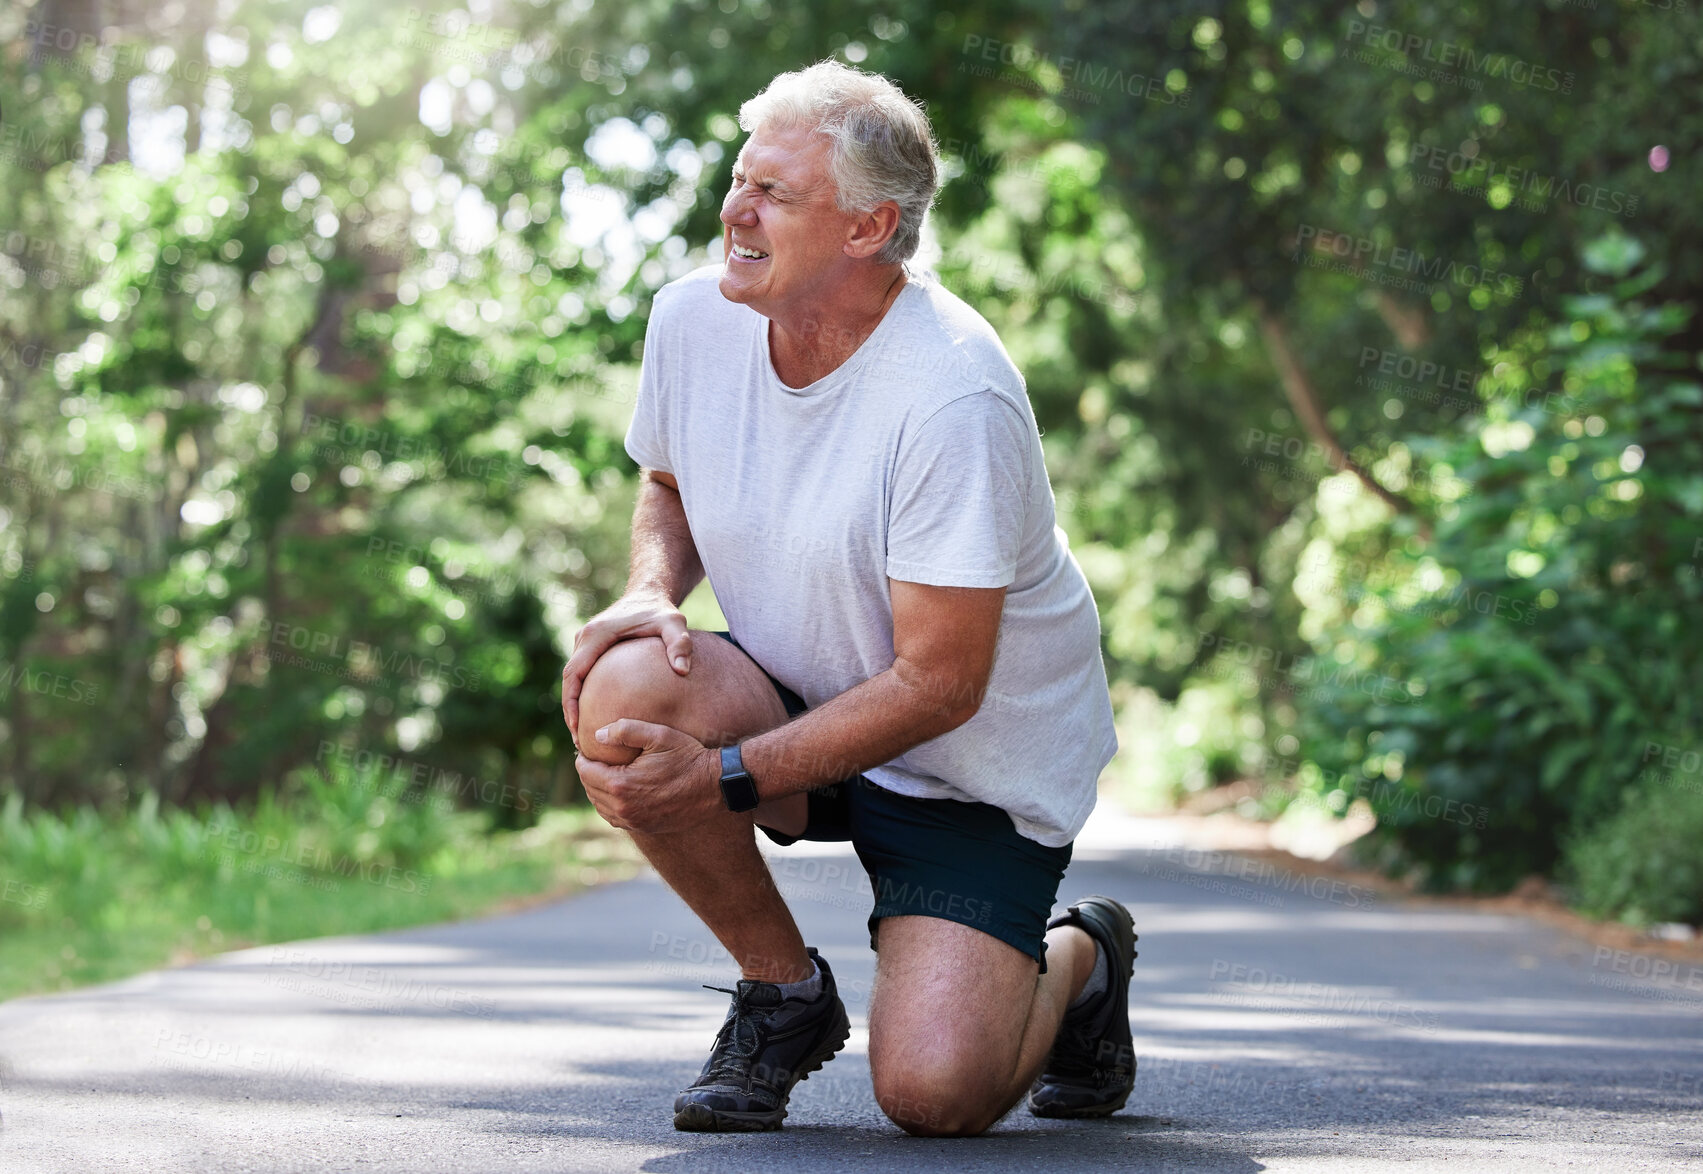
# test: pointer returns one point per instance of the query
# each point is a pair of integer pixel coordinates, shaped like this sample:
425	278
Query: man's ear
873	230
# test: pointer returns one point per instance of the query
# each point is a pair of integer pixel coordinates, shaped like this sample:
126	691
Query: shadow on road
1273	1021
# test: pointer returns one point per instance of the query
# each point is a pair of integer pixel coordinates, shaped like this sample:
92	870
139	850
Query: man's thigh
948	1013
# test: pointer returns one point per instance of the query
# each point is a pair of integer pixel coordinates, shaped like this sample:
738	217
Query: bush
89	898
1642	866
1534	650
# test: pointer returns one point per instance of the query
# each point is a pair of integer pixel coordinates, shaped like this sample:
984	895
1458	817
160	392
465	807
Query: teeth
748	254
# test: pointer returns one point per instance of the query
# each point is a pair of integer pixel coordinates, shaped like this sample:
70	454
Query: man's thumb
679	642
630	732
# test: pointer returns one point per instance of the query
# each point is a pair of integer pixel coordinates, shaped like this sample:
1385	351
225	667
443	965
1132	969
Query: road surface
1282	1022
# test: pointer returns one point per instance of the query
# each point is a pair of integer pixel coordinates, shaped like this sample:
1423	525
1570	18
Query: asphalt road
1281	1024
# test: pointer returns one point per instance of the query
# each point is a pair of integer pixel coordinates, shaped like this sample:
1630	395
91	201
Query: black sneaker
767	1044
1092	1066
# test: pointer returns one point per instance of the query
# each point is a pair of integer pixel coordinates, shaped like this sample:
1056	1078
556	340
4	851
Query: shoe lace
740	1037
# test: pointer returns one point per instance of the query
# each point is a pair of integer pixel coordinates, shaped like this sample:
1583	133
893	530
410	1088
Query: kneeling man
848	453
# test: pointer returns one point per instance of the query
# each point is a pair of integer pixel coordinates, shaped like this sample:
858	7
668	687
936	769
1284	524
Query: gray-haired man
849	454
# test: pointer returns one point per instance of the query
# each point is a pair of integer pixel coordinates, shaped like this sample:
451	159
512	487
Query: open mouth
745	254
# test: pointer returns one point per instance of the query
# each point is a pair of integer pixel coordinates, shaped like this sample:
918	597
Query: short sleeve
960	496
647	434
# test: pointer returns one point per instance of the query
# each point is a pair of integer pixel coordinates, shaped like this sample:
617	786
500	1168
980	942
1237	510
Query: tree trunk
1302	397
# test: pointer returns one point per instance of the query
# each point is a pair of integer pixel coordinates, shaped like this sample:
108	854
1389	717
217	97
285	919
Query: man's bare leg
960	1023
715	868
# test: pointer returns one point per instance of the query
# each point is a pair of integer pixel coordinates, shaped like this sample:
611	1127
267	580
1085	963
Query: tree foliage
318	328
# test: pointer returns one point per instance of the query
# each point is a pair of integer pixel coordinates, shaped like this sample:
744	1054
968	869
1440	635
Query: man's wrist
712	787
738	788
648	593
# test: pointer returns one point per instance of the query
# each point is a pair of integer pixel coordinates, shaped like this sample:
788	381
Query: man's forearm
867	725
665	559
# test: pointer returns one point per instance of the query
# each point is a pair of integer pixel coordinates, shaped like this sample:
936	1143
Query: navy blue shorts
944	858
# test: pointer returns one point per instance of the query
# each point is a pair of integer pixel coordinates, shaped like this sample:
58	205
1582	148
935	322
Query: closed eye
767	186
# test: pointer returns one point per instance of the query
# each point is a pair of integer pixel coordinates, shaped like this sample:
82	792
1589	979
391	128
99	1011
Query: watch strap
738	789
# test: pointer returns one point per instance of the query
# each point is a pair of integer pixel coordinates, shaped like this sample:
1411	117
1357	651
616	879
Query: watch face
739	792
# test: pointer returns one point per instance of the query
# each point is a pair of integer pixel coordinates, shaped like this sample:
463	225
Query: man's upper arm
661	478
944	640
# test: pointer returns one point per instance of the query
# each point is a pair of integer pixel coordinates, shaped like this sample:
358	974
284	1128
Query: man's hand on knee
672	786
627	618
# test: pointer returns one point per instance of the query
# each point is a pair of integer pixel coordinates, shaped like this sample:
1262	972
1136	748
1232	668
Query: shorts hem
1017	939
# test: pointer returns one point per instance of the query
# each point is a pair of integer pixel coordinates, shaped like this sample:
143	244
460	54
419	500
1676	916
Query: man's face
781	205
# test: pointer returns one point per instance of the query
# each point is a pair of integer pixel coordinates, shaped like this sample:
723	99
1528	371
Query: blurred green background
1361	339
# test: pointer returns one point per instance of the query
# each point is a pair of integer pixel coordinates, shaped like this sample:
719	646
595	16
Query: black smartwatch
738	790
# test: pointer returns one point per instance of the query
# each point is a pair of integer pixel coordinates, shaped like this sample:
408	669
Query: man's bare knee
632	680
948	1100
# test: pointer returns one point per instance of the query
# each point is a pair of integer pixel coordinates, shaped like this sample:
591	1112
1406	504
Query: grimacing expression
782	231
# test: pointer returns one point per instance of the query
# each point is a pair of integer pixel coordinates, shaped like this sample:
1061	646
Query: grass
87	898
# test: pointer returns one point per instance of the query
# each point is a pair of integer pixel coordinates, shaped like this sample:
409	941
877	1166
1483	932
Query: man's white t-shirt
917	459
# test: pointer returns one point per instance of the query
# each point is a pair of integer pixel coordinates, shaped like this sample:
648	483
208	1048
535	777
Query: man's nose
736	209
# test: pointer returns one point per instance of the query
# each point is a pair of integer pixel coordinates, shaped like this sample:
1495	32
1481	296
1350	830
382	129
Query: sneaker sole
1106	1108
703	1119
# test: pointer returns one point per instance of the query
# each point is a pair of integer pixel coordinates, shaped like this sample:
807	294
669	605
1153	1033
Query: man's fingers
637	735
678	641
592	776
574	673
570	712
